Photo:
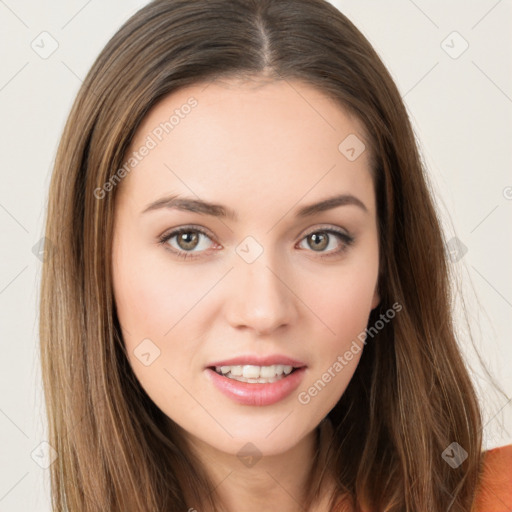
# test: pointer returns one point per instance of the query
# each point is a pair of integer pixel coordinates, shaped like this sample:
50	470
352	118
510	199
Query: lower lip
257	394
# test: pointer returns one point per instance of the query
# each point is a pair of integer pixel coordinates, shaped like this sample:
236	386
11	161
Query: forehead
251	138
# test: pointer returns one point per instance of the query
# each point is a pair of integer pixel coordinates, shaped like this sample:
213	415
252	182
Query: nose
262	299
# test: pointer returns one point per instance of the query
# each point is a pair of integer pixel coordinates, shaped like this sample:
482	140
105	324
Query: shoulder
494	492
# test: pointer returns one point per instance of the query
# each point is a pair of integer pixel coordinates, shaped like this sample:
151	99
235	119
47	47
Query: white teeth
237	370
266	372
251	373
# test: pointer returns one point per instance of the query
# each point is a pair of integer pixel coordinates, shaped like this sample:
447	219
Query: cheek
343	302
152	305
161	302
343	310
153	296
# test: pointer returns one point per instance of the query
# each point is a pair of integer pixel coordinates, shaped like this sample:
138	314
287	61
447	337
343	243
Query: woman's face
260	282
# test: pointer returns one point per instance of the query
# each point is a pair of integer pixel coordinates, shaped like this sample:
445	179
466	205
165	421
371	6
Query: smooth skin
264	150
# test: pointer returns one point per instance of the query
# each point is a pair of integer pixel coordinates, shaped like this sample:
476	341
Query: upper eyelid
326	227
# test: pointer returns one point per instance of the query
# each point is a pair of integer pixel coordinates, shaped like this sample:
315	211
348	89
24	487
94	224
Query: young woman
249	306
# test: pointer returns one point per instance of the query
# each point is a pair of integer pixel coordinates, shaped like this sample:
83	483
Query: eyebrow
217	210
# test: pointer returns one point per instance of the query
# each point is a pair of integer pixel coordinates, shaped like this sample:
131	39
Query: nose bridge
262	299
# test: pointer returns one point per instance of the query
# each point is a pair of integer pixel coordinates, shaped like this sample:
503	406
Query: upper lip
258	361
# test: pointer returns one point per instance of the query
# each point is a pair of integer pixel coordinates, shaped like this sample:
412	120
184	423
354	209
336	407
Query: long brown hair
411	395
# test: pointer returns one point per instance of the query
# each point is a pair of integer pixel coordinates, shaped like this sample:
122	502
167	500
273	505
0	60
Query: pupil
189	238
319	238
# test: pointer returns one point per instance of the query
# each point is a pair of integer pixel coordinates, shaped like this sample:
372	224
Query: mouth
265	381
253	379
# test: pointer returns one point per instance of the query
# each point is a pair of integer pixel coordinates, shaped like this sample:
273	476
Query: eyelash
347	240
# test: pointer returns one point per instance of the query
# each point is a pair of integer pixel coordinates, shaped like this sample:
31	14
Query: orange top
495	490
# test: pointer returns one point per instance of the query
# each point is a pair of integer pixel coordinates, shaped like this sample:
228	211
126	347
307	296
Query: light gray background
461	108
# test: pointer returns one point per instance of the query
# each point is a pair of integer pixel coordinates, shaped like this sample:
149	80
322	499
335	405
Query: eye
187	239
322	239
